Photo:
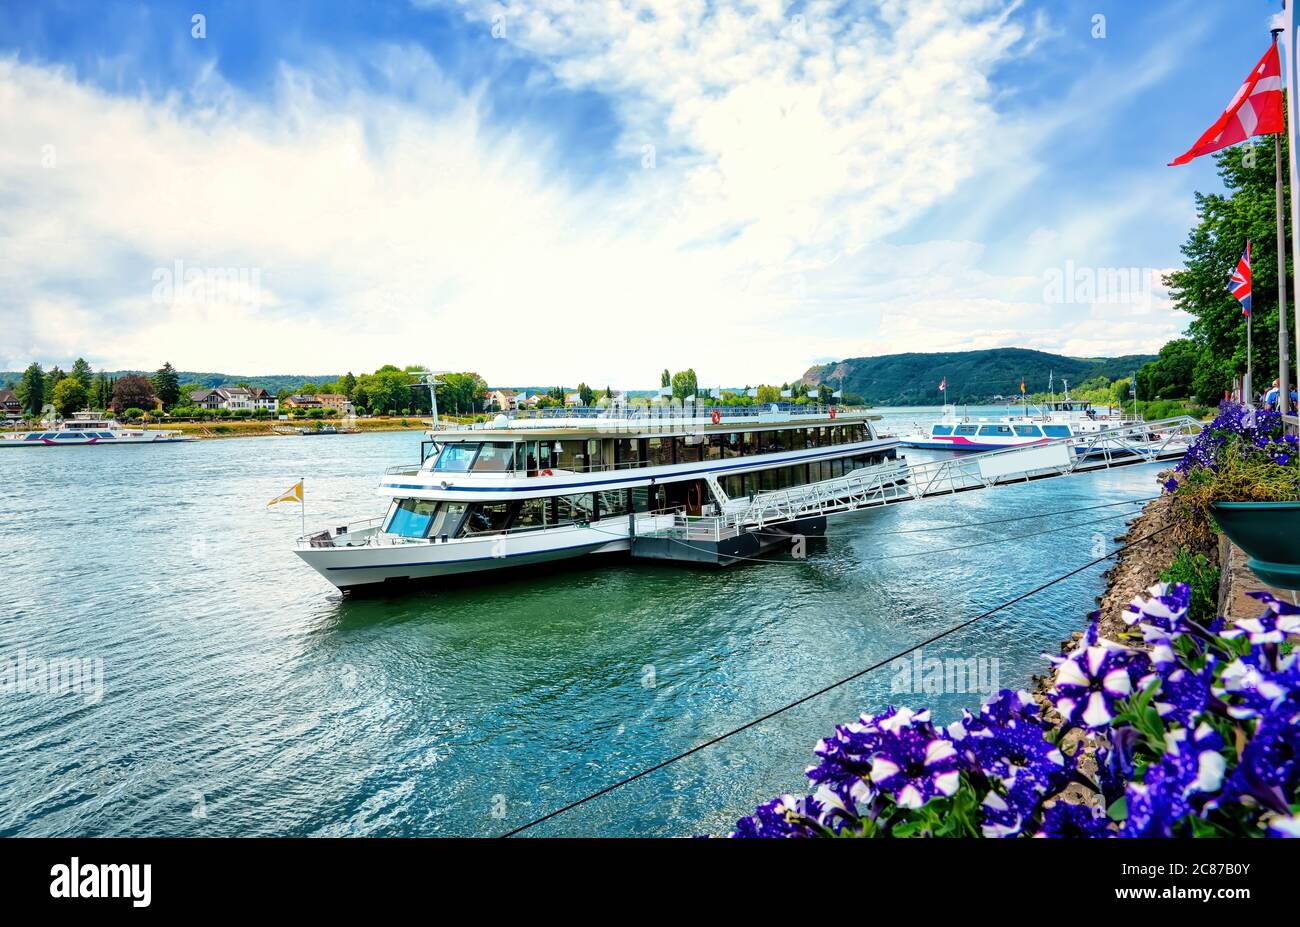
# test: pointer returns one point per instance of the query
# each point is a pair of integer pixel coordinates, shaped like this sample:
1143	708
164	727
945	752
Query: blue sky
556	190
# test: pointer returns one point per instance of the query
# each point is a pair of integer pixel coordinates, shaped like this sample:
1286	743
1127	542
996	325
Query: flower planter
1269	533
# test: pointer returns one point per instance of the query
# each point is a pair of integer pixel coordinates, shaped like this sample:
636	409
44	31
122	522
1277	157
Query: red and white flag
1255	110
943	384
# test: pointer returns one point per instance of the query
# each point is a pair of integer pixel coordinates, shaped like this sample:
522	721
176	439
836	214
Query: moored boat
86	428
518	490
1067	418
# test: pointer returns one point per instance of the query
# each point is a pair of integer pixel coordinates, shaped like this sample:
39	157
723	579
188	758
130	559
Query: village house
10	408
507	400
334	401
235	398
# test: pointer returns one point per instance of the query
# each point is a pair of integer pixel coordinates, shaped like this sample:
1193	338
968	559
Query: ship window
411	518
488	518
1028	431
574	508
627	452
967	429
942	430
659	451
456	457
732	446
1000	430
612	503
712	447
753	442
1056	431
496	457
572	455
534	513
686	453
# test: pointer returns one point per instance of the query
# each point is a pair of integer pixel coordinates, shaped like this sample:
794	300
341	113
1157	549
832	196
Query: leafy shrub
1201	577
1198	736
133	414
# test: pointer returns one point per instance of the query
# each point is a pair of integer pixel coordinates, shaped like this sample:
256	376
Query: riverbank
261	428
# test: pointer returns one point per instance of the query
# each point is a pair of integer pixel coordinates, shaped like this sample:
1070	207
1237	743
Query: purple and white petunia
1249	686
786	816
1280	621
1066	820
1163	615
1189	772
914	762
1091	682
1007	741
1185	694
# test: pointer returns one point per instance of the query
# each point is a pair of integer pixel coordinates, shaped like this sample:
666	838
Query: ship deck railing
899	481
697	413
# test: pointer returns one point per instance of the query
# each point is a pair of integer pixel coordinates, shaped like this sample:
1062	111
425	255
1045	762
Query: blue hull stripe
848	449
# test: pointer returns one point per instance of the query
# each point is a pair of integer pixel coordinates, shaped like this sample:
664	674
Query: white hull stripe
526	553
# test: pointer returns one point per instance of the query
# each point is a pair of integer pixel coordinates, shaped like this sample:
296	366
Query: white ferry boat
518	490
1067	418
90	428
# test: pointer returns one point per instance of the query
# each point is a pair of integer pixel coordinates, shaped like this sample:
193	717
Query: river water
239	694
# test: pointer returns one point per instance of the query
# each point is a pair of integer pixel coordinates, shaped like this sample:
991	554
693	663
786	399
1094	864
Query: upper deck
647	421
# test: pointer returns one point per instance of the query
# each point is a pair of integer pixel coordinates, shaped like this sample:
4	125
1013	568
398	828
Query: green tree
347	383
69	396
167	385
768	394
665	378
101	392
684	383
1171	374
31	389
1245	211
81	370
586	395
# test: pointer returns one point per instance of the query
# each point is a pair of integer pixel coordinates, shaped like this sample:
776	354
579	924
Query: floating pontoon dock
765	520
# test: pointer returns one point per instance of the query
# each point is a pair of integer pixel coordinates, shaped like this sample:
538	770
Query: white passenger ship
520	490
1068	418
90	428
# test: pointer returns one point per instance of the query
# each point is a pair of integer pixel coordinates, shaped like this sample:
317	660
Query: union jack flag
1239	285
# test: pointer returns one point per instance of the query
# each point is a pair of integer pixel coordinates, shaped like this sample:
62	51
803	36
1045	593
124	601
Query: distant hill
973	376
272	383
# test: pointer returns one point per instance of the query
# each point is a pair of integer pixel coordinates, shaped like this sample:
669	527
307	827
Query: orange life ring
545	473
832	411
716	416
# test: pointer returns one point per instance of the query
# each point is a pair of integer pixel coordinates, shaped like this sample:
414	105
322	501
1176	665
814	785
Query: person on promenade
1270	398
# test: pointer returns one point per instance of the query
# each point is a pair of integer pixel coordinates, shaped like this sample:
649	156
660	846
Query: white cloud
786	152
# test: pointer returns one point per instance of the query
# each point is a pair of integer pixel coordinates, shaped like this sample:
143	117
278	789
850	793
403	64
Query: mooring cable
822	691
915	553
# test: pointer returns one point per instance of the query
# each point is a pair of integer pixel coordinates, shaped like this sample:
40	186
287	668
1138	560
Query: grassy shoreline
255	428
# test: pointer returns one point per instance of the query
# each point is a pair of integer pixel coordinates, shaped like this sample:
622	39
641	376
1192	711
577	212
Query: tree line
1213	353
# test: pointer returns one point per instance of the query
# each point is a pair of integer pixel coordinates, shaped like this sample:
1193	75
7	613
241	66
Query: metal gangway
899	481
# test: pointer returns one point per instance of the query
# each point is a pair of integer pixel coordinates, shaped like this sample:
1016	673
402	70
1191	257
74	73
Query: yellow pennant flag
294	494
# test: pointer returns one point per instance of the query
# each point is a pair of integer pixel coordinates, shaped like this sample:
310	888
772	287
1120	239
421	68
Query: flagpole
1283	336
1292	103
303	499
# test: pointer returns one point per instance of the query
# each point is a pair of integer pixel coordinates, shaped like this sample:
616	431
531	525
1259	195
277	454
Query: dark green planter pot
1269	533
